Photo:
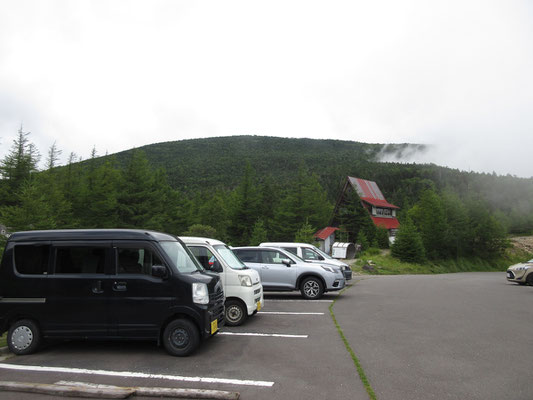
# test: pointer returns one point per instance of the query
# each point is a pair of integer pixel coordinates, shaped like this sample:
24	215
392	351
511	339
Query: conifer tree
259	234
408	246
244	213
18	165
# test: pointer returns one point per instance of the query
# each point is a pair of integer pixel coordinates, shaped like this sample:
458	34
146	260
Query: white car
242	285
521	273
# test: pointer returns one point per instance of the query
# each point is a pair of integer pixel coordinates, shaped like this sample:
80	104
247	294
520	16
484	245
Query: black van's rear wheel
236	312
23	337
181	337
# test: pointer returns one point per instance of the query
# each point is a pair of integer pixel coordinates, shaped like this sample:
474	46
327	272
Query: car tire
181	337
23	337
235	313
529	279
312	288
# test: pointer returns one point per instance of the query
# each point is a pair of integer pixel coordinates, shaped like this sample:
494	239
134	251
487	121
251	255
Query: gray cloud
452	74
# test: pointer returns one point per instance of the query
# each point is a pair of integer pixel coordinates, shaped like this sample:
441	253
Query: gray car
282	270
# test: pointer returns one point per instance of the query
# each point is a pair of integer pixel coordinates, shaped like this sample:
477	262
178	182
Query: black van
106	284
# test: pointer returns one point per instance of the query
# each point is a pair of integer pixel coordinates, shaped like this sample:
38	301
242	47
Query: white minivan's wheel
312	288
23	337
181	337
236	312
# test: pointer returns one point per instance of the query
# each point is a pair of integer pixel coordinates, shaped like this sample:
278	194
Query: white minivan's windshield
229	257
325	255
182	258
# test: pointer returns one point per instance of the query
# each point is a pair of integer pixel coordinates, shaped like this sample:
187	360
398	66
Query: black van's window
136	260
80	260
32	259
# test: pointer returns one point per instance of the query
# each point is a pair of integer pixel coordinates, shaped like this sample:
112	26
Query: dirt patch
524	243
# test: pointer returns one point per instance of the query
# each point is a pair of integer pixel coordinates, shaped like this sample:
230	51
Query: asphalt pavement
454	336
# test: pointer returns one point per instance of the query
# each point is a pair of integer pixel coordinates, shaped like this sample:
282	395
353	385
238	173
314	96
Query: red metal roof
379	203
369	191
389	223
325	233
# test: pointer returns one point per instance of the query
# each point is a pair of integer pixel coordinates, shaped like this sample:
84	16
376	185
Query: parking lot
289	350
453	336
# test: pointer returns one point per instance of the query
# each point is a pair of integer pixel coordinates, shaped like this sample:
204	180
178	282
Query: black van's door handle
120	286
97	288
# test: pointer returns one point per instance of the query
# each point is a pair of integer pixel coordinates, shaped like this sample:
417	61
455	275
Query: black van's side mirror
287	262
159	271
217	267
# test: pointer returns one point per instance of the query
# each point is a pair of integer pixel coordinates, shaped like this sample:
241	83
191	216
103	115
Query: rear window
248	255
292	250
32	259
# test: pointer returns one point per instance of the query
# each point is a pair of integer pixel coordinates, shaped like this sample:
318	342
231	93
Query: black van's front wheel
23	337
181	337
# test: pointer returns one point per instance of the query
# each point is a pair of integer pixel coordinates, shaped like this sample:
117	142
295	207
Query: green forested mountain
199	165
249	189
219	162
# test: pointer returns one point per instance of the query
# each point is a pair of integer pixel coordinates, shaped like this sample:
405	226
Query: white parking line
128	374
290	313
264	335
268	300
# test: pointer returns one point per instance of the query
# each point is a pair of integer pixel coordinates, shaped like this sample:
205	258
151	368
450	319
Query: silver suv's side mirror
287	262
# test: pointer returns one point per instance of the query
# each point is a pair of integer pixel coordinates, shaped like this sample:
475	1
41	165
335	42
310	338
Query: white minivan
242	286
311	253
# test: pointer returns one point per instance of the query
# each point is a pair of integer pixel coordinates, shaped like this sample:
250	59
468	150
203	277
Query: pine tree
245	205
18	165
430	219
32	212
259	234
408	246
355	218
305	234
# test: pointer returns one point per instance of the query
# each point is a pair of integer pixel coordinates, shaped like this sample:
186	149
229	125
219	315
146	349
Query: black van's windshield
184	261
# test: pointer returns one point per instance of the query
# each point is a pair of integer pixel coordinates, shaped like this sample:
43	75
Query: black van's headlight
200	295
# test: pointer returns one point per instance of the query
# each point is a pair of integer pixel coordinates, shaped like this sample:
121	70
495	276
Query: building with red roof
381	211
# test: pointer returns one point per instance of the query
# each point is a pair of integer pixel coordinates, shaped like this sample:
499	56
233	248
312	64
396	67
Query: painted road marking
264	335
290	313
268	300
129	374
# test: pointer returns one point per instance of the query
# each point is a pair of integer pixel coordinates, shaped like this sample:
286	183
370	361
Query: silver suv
282	270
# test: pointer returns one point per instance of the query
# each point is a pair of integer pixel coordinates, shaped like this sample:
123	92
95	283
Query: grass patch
384	264
356	362
3	340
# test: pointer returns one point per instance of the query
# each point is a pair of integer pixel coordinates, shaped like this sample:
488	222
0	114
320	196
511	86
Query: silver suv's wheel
312	288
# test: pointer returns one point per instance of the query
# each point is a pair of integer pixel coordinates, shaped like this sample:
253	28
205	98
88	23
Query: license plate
214	326
258	306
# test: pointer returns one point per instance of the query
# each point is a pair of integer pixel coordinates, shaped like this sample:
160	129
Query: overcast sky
457	74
